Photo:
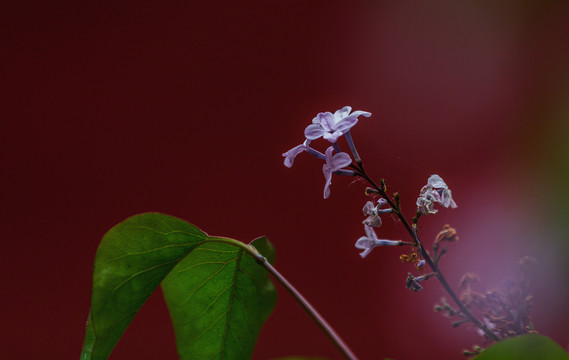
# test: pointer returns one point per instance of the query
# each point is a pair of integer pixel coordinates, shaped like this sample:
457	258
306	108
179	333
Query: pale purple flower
373	212
334	163
436	191
370	241
426	202
442	189
332	126
292	153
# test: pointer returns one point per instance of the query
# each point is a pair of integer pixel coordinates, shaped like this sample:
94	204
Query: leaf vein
230	306
205	281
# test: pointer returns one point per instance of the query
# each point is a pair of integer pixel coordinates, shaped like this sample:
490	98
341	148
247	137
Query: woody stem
426	256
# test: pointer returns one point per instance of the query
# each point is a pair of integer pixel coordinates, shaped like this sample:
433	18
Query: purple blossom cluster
435	193
331	127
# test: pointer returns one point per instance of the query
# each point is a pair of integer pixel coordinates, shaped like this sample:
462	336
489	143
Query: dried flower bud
412	283
370	191
447	234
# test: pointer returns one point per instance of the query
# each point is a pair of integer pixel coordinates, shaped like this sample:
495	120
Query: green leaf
135	256
86	353
218	300
525	347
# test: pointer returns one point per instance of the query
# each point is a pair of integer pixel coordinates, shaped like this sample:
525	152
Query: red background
112	109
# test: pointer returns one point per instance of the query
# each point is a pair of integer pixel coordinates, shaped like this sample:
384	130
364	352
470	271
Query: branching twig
432	264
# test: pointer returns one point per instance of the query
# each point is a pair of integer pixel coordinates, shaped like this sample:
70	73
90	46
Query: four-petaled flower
333	164
332	126
370	241
305	146
373	212
436	191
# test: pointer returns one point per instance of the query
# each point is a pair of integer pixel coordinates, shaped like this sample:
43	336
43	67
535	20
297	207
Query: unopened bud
369	191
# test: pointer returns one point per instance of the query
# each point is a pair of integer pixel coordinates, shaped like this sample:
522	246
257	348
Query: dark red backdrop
111	109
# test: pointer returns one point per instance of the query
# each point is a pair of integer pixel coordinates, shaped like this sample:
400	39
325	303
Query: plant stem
427	257
312	312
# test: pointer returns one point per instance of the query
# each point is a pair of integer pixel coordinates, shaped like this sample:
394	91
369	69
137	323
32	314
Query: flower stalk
425	254
333	126
312	312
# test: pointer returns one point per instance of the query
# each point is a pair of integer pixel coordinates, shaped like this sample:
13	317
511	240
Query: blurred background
115	108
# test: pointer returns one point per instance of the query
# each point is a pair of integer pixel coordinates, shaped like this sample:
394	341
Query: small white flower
436	191
332	126
333	164
370	241
373	212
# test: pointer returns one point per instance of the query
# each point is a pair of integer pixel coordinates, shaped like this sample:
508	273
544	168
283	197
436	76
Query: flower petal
328	181
446	199
370	233
292	153
328	153
365	243
368	208
313	131
373	221
360	113
342	113
437	182
326	120
365	253
381	202
340	160
346	124
332	136
327	189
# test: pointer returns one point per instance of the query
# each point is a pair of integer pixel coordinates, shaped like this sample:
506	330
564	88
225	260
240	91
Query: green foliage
217	295
525	347
217	311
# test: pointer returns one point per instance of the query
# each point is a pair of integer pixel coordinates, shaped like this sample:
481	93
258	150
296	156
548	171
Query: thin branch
312	312
429	260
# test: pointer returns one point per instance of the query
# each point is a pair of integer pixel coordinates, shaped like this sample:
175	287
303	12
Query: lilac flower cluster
335	162
330	127
436	191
